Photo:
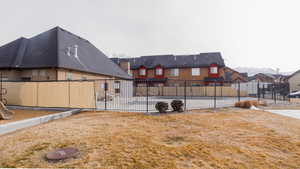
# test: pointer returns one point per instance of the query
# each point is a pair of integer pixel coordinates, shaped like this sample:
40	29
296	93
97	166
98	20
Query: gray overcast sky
249	33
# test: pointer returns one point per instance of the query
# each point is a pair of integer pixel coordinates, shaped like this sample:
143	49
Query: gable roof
51	49
298	71
174	61
264	75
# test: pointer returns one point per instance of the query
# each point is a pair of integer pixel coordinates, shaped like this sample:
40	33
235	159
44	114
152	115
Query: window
42	72
69	76
35	73
196	84
174	72
159	71
26	78
4	78
214	70
195	71
83	78
117	86
142	72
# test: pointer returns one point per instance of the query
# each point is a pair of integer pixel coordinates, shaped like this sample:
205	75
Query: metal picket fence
143	95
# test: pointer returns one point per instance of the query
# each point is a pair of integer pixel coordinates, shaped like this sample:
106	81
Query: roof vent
69	51
76	51
175	58
195	58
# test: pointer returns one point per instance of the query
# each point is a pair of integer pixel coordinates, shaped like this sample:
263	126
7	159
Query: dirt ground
230	138
25	114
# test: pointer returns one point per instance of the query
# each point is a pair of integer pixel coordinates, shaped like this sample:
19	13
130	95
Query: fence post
239	91
105	94
263	92
147	97
288	89
275	94
184	95
258	91
37	94
215	95
221	90
95	95
1	89
69	88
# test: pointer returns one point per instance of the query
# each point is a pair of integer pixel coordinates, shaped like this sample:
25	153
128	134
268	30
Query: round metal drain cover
62	154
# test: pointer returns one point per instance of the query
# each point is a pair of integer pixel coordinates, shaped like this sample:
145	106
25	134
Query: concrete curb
13	126
37	108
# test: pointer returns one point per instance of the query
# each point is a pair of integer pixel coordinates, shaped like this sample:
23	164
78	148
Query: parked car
294	94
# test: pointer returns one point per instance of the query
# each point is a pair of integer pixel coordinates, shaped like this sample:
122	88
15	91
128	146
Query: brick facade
184	74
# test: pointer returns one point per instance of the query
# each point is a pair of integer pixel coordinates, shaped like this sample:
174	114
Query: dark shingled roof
50	50
174	61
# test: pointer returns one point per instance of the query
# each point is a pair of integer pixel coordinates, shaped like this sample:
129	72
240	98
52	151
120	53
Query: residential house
173	70
232	75
294	81
269	78
56	55
263	77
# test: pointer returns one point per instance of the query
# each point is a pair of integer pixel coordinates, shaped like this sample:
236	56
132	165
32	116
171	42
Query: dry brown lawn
230	138
25	114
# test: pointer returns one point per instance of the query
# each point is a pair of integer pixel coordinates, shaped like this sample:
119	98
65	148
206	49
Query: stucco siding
294	82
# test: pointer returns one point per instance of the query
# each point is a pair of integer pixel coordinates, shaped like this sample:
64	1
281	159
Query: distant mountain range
253	71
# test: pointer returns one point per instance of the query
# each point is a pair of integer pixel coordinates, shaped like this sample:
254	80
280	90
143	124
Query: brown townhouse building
269	78
173	70
232	75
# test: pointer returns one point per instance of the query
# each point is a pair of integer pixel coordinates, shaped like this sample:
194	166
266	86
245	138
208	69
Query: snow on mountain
253	71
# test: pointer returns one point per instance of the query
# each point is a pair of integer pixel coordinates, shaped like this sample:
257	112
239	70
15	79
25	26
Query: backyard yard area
139	104
229	138
26	114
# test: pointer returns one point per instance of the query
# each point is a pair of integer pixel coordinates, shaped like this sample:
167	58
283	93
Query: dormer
159	71
142	72
213	70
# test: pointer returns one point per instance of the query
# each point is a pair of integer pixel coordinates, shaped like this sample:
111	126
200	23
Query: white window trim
43	73
69	76
35	73
117	84
159	71
175	72
196	71
212	70
142	72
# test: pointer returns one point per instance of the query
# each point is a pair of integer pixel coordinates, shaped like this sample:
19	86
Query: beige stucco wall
62	74
33	74
294	82
50	74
